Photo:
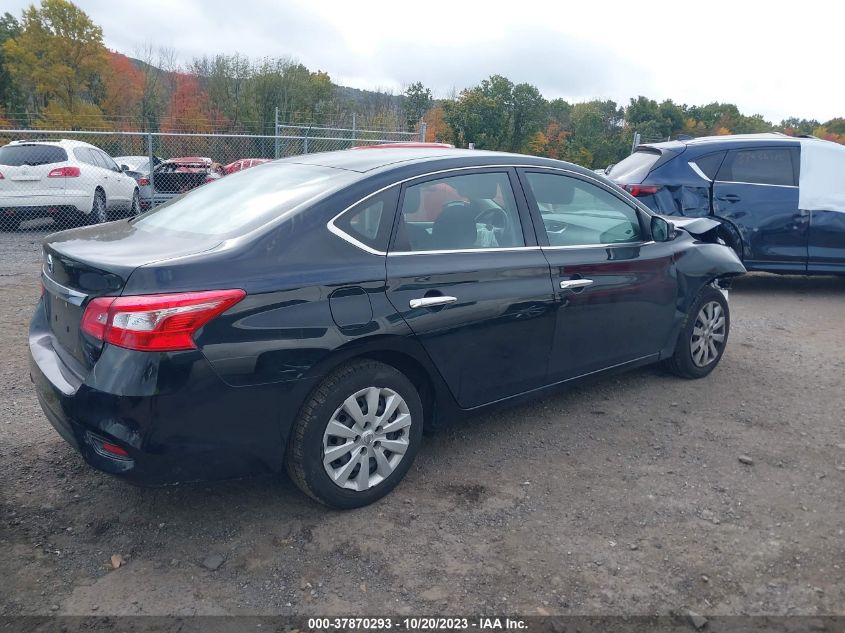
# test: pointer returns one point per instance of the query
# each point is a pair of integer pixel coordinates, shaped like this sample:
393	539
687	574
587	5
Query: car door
615	291
120	186
756	190
465	273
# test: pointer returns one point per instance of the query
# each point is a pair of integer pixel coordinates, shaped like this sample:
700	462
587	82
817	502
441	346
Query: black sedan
316	313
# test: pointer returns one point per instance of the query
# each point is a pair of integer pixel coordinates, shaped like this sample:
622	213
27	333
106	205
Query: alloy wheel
366	438
708	334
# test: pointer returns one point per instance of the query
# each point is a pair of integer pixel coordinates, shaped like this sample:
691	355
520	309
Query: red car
244	163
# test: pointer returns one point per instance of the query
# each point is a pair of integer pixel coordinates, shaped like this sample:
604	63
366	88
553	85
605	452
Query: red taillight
155	323
143	181
642	190
64	172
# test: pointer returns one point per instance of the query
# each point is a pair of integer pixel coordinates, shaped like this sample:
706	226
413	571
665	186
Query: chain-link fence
55	180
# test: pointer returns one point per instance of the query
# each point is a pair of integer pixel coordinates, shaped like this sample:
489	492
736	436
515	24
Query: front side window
107	160
466	212
577	213
766	166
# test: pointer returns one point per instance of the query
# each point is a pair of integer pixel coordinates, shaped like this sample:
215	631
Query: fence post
152	168
276	132
423	130
354	128
305	143
636	142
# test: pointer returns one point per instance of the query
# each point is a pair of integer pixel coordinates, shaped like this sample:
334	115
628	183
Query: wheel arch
405	354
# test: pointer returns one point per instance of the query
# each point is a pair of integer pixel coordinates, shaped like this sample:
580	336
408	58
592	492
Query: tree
496	114
416	103
57	58
123	89
10	96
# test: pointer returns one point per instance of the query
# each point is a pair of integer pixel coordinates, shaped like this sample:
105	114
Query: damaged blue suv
780	200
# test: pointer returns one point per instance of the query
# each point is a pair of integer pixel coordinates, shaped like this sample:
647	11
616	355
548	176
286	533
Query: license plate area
64	319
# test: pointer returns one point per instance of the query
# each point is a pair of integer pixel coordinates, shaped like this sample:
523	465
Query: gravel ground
626	496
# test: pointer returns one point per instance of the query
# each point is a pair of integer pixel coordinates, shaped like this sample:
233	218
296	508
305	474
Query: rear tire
703	337
367	415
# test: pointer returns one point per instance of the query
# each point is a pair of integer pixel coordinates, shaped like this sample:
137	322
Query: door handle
575	284
729	197
432	302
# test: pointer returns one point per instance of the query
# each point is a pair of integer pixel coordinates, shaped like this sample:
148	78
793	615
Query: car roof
711	142
62	141
393	158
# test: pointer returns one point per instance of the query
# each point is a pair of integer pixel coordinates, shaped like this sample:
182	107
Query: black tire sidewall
135	207
319	484
95	217
683	352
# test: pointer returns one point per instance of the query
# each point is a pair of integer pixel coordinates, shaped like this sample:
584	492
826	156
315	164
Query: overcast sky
771	58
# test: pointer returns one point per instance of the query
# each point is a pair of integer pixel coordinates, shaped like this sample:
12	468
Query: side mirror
661	229
124	168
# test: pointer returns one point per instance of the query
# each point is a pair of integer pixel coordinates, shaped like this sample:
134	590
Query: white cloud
775	59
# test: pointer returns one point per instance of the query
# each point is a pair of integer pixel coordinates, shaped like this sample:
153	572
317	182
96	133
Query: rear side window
635	168
84	154
709	164
463	212
765	166
371	221
246	200
19	155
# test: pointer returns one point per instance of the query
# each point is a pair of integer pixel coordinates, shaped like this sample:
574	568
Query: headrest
455	227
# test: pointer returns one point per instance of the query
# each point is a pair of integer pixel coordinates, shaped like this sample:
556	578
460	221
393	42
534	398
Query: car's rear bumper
42	206
174	417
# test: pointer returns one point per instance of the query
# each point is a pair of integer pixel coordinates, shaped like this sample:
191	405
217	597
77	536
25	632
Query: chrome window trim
756	184
333	228
63	292
608	245
698	171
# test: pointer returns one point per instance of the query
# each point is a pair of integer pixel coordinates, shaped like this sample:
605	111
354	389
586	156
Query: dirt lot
625	496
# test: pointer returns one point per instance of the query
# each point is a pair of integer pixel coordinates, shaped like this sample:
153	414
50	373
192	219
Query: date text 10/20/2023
418	624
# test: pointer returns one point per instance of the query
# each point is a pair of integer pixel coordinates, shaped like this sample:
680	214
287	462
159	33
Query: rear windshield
134	163
18	155
241	202
635	168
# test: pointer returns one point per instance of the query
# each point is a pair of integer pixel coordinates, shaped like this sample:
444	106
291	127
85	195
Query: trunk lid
96	261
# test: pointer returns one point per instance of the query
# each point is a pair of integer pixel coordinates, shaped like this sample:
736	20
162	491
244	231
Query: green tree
57	58
417	102
10	97
496	114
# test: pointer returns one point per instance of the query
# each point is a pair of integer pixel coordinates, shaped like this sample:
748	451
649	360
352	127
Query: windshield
634	169
241	202
18	155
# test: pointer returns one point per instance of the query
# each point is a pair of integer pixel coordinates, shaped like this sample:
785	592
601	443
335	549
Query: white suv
70	181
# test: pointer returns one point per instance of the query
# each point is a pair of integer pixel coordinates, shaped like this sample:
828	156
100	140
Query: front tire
703	337
135	209
98	214
356	436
